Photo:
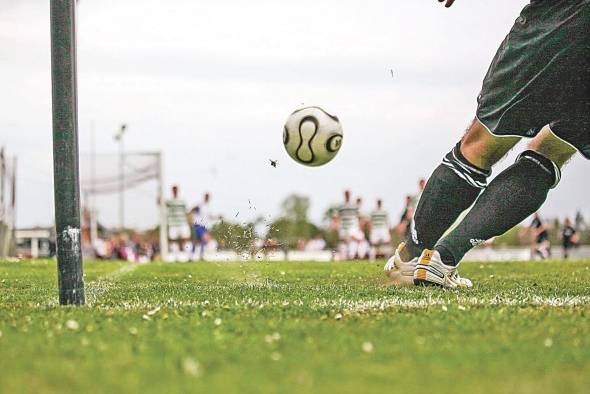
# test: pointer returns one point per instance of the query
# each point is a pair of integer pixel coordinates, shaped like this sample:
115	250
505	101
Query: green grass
295	327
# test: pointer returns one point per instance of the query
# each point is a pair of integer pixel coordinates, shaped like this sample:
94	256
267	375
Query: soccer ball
312	136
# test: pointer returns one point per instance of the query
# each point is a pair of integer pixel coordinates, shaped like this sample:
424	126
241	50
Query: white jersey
349	222
379	219
178	227
379	227
202	217
176	212
348	214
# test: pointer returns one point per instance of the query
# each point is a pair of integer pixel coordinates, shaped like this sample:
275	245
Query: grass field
295	327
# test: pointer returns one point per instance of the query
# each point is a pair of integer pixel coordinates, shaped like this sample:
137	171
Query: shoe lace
454	274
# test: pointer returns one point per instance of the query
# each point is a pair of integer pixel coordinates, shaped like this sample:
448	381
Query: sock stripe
472	175
467	167
463	175
544	163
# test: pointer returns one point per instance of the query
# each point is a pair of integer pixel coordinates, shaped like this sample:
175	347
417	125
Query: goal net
120	193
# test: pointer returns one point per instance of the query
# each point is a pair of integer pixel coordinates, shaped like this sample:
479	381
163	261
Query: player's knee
544	163
552	147
482	148
464	169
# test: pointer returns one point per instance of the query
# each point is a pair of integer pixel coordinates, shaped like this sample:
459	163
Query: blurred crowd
351	232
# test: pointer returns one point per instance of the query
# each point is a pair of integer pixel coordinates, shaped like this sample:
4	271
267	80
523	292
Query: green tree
295	208
293	224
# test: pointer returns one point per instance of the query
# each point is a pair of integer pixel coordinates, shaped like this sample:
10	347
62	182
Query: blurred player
201	221
569	238
541	245
379	232
349	231
179	231
416	197
363	247
536	87
403	227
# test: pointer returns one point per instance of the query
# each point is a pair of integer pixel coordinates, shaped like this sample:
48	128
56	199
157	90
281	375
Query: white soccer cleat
430	270
400	272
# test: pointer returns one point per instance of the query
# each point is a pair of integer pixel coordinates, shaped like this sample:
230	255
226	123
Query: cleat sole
426	283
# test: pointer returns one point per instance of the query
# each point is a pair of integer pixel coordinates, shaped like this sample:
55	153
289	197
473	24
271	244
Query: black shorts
541	75
544	236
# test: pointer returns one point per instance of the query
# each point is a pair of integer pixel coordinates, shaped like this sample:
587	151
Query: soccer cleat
401	273
430	270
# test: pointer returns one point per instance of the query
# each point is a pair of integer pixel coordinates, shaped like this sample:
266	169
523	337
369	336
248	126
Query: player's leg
374	244
185	242
521	93
363	249
194	242
511	197
173	236
352	249
454	185
342	244
204	240
451	189
547	245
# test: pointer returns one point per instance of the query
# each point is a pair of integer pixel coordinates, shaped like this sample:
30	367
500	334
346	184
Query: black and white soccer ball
312	136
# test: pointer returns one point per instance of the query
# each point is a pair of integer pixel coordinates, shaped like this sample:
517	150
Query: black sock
451	189
511	197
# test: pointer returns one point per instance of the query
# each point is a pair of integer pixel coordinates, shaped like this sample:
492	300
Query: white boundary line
103	284
361	306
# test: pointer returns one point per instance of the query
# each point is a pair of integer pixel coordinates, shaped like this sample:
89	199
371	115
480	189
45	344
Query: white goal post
7	203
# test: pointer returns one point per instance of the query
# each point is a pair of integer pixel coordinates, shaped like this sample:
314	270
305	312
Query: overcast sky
210	84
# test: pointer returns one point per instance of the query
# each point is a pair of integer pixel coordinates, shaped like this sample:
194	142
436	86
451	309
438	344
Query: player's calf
511	197
452	188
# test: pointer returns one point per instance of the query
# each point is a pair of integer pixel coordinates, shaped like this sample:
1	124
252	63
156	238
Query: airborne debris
368	347
191	367
154	311
72	325
275	356
274	337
